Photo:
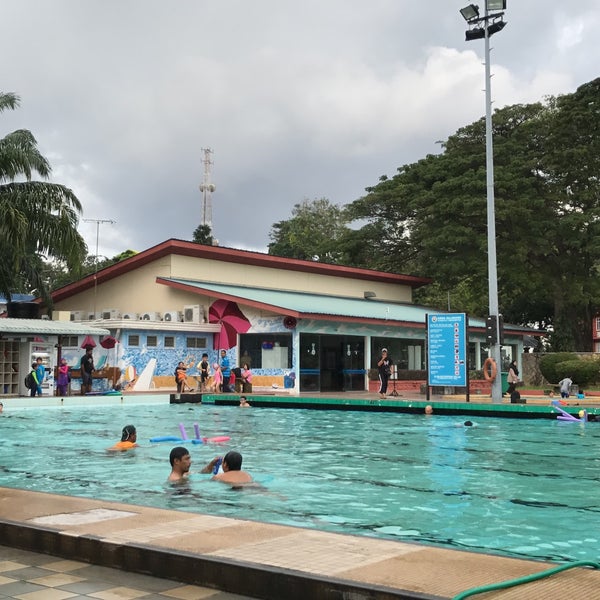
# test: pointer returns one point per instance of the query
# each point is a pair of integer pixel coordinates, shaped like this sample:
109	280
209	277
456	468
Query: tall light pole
483	27
98	223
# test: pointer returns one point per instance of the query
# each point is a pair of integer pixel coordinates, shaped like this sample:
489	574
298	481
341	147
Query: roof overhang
326	307
46	327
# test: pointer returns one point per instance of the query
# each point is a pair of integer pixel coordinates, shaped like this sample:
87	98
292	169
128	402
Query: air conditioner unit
93	316
171	316
150	316
76	315
192	313
111	313
132	316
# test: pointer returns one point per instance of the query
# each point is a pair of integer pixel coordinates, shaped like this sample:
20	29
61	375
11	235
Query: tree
56	274
313	232
430	218
203	235
38	218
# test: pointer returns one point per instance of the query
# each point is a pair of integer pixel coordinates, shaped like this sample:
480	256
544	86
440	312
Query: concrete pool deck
205	553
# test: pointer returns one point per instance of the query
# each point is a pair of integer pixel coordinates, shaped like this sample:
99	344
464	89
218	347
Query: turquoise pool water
513	487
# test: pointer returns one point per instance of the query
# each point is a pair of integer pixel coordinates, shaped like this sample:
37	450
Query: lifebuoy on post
490	370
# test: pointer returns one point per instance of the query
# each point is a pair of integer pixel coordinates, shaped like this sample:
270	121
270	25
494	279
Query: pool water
527	488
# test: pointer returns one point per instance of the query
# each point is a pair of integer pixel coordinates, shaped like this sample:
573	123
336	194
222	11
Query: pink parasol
232	321
108	342
88	341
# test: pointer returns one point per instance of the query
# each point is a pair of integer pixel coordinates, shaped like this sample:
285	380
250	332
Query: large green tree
39	219
430	217
313	233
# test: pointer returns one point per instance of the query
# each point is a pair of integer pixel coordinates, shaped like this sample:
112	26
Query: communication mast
207	188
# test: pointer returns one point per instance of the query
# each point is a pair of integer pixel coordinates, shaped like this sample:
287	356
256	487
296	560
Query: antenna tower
207	188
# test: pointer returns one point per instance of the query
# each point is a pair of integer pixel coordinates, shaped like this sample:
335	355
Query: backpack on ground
29	381
515	398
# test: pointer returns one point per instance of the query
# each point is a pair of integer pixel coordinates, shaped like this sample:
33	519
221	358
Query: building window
196	342
267	350
169	341
408	355
71	341
151	340
133	340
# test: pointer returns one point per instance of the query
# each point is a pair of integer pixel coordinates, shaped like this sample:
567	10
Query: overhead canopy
321	306
46	327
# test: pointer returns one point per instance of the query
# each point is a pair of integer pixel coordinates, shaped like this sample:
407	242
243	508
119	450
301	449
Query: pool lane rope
502	585
184	438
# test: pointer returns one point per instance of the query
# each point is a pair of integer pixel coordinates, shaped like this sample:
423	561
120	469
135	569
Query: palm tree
39	219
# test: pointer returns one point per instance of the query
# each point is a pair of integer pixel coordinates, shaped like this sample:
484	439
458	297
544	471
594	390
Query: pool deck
113	551
208	556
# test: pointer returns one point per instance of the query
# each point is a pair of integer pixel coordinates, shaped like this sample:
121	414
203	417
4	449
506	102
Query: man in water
232	469
180	464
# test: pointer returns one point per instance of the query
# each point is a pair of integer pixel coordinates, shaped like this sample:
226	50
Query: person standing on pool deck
87	368
565	387
225	370
40	372
204	367
181	462
384	365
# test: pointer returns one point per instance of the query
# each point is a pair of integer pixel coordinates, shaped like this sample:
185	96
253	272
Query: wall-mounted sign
447	349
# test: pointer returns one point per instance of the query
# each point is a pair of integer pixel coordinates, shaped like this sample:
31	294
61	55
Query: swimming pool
512	487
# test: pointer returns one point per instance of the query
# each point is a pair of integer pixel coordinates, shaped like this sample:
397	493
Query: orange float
490	370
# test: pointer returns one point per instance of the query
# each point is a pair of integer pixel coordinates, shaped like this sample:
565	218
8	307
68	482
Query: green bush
582	372
548	365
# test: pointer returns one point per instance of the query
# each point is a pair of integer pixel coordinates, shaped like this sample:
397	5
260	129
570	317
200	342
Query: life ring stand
490	370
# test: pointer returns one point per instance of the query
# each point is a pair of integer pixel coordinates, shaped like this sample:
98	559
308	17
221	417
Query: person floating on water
128	439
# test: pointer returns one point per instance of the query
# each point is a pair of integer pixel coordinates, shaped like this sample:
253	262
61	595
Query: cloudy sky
297	100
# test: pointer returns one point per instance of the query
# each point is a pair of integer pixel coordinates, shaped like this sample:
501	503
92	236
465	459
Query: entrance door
331	363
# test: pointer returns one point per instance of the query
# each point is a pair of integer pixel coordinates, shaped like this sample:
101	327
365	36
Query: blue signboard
447	349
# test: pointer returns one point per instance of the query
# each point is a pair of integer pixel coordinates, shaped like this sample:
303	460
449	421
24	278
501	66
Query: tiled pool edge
271	562
537	410
263	582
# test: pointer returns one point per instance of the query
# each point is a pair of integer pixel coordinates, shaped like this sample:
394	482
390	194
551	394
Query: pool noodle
183	433
564	416
197	431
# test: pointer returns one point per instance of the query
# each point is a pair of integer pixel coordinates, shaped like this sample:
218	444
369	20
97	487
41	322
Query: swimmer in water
232	469
128	439
181	462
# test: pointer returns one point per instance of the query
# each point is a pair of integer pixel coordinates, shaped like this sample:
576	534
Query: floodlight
477	33
495	4
495	27
470	12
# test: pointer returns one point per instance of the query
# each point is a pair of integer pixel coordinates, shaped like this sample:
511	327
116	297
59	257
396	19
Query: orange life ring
490	370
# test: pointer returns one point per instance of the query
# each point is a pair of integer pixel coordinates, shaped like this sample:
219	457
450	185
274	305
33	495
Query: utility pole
98	223
483	27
